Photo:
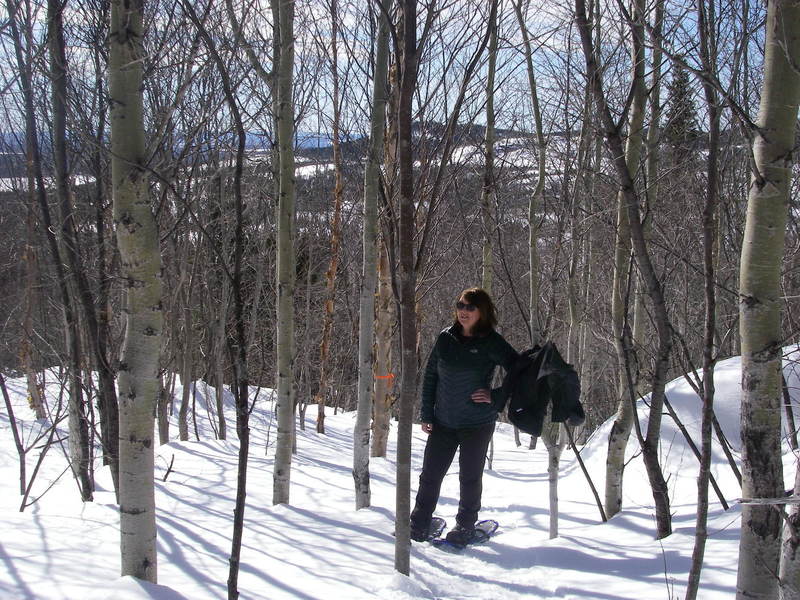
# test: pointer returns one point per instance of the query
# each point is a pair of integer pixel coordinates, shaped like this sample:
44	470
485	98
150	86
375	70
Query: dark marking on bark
767	526
770	352
132	511
361	482
128	221
749	383
749	301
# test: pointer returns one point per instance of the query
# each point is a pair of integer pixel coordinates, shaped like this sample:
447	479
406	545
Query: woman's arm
429	382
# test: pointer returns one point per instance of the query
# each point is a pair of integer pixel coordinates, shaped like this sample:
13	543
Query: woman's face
468	314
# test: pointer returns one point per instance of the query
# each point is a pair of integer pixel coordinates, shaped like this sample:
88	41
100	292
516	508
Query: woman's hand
481	396
427	427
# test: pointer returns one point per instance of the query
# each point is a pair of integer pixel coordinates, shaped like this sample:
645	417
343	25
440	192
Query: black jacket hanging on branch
537	378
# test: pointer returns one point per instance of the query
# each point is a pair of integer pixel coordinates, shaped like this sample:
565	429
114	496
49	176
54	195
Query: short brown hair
480	298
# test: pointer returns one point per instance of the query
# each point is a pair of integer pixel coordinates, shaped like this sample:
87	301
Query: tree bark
623	421
186	392
406	284
35	389
574	355
285	267
236	343
620	301
706	19
220	344
108	403
137	237
32	167
644	264
187	357
162	407
384	380
78	420
554	440
760	302
366	379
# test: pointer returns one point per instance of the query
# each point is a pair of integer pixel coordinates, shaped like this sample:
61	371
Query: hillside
320	547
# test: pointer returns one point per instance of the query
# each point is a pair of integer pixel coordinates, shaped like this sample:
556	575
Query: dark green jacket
458	366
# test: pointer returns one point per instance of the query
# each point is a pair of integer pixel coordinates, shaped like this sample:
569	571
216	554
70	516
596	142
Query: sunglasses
465	306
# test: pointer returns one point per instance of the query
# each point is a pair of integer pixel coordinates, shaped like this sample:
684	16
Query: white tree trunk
137	237
220	353
554	439
361	430
187	365
384	378
644	264
623	422
285	268
760	303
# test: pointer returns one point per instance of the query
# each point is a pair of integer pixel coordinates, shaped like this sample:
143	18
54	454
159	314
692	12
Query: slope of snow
321	547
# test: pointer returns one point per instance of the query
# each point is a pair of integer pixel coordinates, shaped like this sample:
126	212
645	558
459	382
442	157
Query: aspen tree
623	421
78	443
552	433
24	60
78	419
283	10
382	401
137	238
644	264
361	432
707	45
760	310
407	281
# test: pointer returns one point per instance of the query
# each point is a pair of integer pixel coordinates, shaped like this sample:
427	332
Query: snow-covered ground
321	547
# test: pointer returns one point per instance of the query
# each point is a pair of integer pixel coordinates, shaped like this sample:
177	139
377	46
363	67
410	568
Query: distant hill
12	148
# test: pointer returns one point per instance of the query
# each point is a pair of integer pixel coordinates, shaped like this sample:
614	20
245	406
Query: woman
459	410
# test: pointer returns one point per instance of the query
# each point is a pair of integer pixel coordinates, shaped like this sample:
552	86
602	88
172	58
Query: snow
13	184
321	547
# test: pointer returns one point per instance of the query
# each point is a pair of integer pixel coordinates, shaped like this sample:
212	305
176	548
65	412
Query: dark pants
439	452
